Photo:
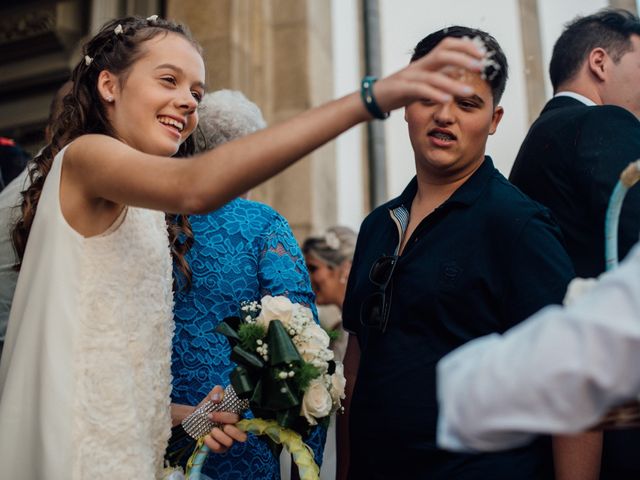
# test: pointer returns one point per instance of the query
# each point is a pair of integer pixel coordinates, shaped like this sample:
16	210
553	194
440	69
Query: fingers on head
442	82
463	45
444	58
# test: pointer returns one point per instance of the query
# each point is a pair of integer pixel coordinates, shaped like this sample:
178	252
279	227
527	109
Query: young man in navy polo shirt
459	254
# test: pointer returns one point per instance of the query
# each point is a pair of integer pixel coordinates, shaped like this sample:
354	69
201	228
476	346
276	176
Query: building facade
288	56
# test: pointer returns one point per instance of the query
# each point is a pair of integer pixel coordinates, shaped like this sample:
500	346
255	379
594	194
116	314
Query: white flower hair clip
332	240
152	18
118	30
87	60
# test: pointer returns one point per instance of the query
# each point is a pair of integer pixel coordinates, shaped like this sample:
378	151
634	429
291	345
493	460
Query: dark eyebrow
474	98
177	69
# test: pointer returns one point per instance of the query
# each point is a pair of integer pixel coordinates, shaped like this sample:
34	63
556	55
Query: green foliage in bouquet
333	334
285	367
249	334
270	372
285	370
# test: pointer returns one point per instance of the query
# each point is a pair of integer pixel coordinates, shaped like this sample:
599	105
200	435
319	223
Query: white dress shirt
576	96
558	372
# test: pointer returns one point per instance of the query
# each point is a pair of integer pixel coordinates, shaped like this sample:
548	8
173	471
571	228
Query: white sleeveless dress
85	376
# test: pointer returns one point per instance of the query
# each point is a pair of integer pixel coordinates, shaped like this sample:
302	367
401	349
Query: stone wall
278	53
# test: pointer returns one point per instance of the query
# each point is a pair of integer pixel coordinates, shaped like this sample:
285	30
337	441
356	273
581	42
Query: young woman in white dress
84	376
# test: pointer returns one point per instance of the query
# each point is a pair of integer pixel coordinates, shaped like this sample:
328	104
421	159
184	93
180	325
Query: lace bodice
123	350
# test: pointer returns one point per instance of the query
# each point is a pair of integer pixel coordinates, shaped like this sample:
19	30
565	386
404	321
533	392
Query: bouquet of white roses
285	371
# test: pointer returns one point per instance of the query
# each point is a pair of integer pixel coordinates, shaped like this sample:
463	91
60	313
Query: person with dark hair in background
572	158
459	254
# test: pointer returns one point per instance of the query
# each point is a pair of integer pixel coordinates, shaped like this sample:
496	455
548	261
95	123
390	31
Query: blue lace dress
242	251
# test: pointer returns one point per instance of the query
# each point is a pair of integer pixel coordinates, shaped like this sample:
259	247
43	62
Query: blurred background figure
241	252
328	258
13	159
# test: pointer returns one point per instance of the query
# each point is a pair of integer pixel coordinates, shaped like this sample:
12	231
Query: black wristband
366	93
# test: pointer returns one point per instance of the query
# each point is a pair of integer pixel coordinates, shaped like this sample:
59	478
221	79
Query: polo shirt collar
466	194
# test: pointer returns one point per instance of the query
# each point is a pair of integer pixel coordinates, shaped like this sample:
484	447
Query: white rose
275	308
301	311
316	402
338	384
316	334
313	346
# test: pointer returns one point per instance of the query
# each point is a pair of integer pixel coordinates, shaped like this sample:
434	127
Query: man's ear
498	112
107	86
597	62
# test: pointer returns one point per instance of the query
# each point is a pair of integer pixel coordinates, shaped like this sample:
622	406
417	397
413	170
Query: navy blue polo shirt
484	260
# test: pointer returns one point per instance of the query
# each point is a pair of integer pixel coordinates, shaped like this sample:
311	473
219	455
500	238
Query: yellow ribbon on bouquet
300	452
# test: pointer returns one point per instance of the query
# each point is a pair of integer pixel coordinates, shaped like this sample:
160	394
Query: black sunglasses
374	311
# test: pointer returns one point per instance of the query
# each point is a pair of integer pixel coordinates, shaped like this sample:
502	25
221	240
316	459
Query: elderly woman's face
325	281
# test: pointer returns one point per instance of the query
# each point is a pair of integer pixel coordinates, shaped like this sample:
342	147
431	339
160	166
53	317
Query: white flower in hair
87	60
332	240
152	18
486	61
118	30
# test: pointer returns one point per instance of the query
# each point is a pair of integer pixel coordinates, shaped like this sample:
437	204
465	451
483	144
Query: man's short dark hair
496	76
610	29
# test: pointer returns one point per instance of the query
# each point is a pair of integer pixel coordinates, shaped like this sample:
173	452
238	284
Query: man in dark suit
572	157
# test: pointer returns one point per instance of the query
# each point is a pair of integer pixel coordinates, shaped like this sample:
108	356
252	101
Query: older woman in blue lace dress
241	252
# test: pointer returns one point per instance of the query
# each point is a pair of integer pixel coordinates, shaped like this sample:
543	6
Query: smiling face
449	139
153	108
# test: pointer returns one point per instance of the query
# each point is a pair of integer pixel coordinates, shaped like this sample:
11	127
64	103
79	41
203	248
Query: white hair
334	247
224	116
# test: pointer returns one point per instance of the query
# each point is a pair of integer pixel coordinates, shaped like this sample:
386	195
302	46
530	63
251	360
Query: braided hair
116	47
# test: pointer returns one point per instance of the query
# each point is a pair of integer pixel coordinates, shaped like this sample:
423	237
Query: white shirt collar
576	96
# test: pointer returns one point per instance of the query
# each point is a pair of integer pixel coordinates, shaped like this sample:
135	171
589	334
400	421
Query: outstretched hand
221	438
427	77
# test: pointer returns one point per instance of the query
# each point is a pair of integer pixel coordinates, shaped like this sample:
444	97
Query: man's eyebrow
177	69
473	97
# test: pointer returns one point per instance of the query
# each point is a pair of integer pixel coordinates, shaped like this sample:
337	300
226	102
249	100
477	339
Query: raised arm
107	169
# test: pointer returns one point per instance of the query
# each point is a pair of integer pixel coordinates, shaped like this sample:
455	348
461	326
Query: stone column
532	53
278	53
630	5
